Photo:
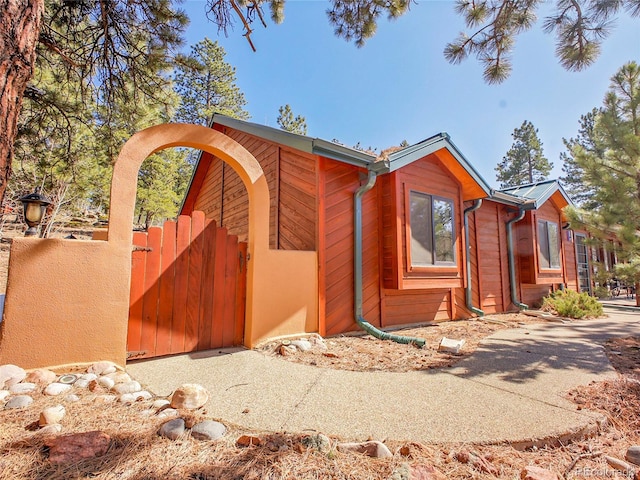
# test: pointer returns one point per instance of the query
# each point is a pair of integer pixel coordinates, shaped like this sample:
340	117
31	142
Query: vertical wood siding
187	288
291	177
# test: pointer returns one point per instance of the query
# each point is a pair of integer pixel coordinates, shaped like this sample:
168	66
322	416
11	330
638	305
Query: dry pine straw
137	453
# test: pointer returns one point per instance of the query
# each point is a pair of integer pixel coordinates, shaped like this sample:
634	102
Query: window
549	244
432	237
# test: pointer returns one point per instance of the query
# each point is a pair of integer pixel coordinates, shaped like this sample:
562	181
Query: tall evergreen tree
207	85
574	181
525	161
612	168
286	121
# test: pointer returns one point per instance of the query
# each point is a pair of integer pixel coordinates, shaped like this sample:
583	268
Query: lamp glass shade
33	212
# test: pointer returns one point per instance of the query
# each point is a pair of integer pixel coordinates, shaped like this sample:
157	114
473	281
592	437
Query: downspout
467	291
357	271
512	264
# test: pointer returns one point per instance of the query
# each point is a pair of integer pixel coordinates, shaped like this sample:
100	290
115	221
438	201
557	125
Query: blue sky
399	86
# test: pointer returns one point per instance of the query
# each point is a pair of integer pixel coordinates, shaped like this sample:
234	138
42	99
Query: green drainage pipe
467	291
357	272
512	264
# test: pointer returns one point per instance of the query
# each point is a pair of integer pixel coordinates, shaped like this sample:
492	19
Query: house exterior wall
426	295
489	258
291	177
338	183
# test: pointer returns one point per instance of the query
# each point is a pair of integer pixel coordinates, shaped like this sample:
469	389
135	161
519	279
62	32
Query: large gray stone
19	401
24	387
172	429
633	454
56	388
208	430
126	387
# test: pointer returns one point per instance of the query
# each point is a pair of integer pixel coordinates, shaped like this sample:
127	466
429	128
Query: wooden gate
188	288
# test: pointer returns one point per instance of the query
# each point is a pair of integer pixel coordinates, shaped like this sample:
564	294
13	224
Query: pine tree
574	181
525	161
613	169
207	85
286	121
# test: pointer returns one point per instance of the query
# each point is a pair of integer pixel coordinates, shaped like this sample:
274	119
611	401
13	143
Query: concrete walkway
510	390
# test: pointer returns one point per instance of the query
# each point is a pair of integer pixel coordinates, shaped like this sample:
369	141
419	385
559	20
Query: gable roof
535	194
315	146
473	185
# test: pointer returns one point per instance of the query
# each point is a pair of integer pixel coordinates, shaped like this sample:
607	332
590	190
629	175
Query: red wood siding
489	251
297	201
291	177
340	181
570	264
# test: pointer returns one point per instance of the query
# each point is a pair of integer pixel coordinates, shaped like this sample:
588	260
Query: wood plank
206	288
241	294
195	279
167	283
218	290
183	238
136	298
230	288
152	291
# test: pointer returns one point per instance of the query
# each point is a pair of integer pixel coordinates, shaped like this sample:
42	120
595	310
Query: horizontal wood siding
405	307
297	201
340	182
532	295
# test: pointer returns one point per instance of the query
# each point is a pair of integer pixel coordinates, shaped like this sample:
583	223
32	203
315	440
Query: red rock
532	472
426	472
248	440
76	447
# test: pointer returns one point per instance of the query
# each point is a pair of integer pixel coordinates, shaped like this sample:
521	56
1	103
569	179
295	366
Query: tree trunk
20	22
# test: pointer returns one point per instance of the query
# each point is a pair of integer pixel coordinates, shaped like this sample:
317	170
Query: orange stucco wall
67	300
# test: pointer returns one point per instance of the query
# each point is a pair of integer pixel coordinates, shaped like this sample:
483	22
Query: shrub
571	304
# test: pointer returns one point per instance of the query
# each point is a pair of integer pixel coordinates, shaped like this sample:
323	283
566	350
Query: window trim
449	267
550	267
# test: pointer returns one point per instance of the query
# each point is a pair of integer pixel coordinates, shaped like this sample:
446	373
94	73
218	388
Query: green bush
571	304
602	292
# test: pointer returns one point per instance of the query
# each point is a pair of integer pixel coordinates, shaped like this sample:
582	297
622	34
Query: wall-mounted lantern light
34	205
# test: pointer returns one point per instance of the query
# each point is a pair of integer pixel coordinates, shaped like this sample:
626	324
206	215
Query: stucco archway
80	312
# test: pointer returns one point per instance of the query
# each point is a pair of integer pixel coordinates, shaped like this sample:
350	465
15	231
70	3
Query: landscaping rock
302	345
119	377
50	429
161	402
172	429
134	397
24	387
72	448
190	396
19	401
373	449
425	472
248	441
88	376
106	382
533	472
10	375
317	442
102	368
633	454
83	383
72	397
51	415
208	430
56	388
168	413
126	387
42	376
4	394
105	399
